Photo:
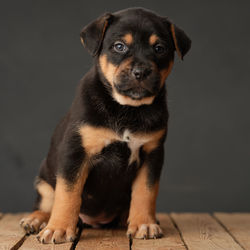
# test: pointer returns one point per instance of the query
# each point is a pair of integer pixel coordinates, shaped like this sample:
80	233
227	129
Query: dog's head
135	52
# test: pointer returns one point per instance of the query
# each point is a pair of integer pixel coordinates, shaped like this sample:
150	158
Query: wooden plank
171	239
201	231
32	243
11	234
238	225
100	239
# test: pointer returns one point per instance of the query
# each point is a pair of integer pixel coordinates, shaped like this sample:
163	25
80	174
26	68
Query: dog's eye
120	47
159	49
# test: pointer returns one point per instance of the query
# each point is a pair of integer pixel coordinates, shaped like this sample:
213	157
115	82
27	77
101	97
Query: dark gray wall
207	156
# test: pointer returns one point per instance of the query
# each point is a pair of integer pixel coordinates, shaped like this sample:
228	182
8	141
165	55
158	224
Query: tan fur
125	100
110	73
82	41
165	72
149	141
128	38
153	141
66	207
94	139
47	196
108	69
124	66
142	221
143	200
152	39
175	41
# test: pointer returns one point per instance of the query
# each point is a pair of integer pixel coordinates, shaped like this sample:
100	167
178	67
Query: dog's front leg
62	223
71	177
142	219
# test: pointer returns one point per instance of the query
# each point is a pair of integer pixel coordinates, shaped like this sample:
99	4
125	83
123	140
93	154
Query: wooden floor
182	231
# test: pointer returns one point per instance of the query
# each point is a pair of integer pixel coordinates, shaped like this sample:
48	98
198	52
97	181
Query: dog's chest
134	143
94	140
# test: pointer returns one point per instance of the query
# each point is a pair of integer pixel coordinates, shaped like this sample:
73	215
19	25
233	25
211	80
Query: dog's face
135	52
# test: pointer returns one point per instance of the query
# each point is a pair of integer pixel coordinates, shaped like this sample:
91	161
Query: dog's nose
140	73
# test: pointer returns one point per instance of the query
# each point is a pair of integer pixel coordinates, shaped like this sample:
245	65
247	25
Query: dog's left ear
182	42
92	35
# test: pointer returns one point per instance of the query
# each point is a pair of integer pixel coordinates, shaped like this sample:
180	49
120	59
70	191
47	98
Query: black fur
108	186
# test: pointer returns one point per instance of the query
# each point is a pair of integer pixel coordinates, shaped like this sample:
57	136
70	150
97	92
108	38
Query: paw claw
145	231
57	236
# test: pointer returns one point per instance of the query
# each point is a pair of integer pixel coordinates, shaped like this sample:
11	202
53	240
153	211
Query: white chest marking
134	143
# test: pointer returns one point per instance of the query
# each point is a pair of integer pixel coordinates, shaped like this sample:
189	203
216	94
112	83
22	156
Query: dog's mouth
135	93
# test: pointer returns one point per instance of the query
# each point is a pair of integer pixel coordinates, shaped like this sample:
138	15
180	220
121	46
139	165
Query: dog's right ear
92	35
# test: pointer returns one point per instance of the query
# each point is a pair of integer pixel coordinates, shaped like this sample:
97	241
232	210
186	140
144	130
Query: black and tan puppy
106	154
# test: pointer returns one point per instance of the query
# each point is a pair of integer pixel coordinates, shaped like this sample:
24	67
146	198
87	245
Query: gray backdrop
207	156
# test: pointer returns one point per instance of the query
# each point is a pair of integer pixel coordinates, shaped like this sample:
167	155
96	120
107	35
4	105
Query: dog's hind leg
37	220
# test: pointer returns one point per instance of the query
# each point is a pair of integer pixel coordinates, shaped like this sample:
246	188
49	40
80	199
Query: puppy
106	154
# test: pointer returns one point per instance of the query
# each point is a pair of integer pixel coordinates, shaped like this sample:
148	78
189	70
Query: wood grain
181	231
32	243
201	231
238	224
100	239
11	234
171	239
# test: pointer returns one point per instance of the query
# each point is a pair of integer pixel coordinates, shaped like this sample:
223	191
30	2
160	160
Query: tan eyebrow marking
152	39
128	38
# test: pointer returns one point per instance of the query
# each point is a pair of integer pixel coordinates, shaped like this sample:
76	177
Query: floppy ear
182	42
92	35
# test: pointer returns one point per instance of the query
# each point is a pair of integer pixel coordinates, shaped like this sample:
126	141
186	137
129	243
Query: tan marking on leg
143	198
142	220
143	206
165	72
128	38
68	200
47	195
65	210
94	139
152	39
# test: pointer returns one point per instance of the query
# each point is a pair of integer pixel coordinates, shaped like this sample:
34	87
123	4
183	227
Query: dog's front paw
56	234
144	231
